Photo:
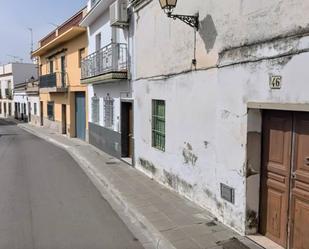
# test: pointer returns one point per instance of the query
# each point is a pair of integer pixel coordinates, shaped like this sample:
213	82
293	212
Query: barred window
158	124
108	111
95	109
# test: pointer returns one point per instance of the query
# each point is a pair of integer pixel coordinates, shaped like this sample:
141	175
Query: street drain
111	162
233	243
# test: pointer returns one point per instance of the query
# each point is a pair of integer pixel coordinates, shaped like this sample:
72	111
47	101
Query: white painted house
107	73
27	101
198	127
11	74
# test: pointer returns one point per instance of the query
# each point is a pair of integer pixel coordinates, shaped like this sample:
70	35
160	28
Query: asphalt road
47	202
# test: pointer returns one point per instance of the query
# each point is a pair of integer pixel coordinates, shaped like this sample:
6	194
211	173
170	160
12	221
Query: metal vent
227	193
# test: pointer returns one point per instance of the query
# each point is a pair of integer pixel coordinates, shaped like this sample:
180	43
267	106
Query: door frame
254	167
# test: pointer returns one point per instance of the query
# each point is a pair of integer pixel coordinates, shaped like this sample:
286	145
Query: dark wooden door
277	142
130	128
127	129
299	211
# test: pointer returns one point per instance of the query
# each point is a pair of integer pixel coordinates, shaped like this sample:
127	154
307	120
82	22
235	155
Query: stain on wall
177	183
188	155
206	143
251	219
147	165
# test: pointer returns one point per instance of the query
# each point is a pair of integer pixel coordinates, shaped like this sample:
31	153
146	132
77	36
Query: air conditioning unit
119	13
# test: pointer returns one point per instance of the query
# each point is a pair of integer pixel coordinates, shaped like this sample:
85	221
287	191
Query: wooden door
277	142
299	211
130	128
126	129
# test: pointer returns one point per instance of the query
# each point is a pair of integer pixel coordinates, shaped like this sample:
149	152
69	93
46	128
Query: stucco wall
207	109
206	128
223	24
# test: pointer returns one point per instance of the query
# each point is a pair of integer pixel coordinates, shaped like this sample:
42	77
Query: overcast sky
16	16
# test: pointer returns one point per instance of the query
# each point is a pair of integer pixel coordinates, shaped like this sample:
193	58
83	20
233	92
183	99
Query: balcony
54	82
110	63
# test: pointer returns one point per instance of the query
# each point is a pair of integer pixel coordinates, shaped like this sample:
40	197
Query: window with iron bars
95	109
108	111
158	124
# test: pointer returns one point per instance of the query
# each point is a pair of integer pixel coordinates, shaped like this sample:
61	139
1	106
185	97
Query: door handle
307	161
293	175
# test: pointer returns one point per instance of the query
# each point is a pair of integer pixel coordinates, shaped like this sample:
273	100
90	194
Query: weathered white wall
206	117
223	24
206	110
116	90
102	25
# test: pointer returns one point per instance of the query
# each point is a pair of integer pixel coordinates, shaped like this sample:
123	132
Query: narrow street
46	201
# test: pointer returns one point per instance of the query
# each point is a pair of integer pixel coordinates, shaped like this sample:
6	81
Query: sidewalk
158	217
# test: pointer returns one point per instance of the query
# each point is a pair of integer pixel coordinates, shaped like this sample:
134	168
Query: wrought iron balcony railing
53	80
109	59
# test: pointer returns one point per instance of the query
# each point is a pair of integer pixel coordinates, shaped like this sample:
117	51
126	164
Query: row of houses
213	102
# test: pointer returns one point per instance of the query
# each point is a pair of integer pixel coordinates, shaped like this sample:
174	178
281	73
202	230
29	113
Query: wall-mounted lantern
168	7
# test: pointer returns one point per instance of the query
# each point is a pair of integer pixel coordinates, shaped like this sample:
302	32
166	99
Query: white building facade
27	102
106	71
11	74
198	127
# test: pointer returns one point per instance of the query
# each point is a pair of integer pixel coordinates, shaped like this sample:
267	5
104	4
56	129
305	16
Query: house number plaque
275	81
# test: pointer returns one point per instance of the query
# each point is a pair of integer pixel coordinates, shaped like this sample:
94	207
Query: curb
141	228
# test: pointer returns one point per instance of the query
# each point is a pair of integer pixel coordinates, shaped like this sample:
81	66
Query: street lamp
168	7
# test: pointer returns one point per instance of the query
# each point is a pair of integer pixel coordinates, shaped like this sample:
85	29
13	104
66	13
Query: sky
17	16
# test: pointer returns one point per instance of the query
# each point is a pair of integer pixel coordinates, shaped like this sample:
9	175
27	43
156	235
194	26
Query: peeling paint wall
223	25
209	130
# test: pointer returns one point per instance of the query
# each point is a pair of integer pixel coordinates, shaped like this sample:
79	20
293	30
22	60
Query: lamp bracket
192	21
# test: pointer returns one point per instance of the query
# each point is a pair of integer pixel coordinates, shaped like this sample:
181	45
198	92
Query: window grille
158	124
95	109
108	111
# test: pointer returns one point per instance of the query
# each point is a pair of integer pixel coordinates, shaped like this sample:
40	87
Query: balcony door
63	71
51	67
97	67
98	42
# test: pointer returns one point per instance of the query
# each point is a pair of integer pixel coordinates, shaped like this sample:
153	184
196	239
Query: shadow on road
4	122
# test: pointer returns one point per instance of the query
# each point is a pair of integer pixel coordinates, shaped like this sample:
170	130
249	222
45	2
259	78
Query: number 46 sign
275	81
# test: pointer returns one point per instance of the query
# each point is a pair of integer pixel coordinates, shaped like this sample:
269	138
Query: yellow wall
73	80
